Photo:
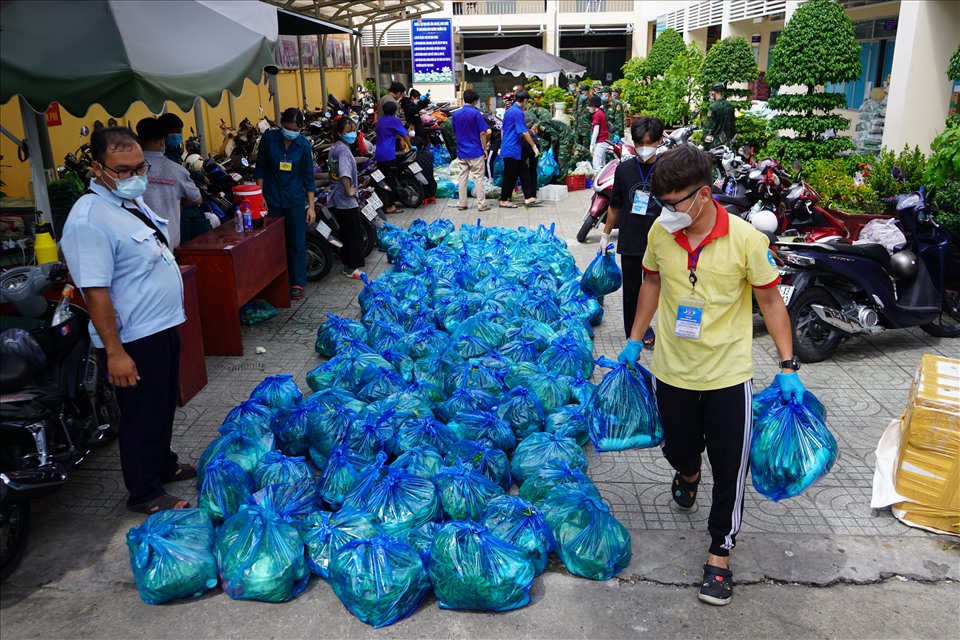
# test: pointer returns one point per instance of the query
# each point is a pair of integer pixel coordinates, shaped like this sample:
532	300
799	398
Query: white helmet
194	161
764	220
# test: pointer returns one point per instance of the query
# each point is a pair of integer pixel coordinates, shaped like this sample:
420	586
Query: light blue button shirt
106	246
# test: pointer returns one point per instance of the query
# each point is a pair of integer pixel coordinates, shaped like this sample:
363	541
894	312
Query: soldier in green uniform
533	115
449	137
615	113
721	125
582	120
559	137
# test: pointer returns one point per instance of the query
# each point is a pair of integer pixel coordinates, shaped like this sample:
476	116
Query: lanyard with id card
286	166
641	198
690	308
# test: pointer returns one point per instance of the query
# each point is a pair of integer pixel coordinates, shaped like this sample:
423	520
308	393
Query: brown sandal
183	472
165	502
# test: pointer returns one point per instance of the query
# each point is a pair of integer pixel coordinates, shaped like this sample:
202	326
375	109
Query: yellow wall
66	138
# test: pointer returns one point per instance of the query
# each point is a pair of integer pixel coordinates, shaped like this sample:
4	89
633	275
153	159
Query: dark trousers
513	169
530	165
146	415
720	421
295	228
390	172
632	267
350	234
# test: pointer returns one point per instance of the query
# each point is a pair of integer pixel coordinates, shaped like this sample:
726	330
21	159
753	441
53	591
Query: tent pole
303	78
232	104
376	61
275	94
201	128
31	130
323	73
353	63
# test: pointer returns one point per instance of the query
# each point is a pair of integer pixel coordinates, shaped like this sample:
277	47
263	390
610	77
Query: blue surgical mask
131	188
174	140
604	98
583	96
290	135
350	138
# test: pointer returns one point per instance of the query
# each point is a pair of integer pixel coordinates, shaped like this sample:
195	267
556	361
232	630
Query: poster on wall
431	42
329	55
287	53
310	51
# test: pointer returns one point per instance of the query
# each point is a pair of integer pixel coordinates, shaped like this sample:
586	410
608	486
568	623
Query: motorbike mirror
745	151
84	131
897	174
191	132
796	166
327	114
244	162
370	111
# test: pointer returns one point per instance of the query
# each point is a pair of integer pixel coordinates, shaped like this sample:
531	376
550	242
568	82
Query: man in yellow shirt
702	265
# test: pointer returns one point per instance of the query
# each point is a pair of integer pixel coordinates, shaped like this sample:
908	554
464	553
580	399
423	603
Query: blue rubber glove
631	352
413	149
616	139
427	97
790	386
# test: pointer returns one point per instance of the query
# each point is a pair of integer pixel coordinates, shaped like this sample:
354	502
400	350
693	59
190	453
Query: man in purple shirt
473	140
389	128
515	133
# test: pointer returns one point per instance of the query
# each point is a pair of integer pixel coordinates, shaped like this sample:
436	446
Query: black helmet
903	265
594	101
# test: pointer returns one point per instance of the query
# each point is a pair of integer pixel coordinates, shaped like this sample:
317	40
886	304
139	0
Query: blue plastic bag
424	461
380	580
261	557
538	449
623	411
225	487
554	473
590	541
292	426
277	392
243	445
523	410
569	421
547	169
324	532
479	425
330	428
292	502
470	568
421	539
516	521
414	433
250	412
397	498
331	334
791	447
276	467
464	492
602	276
568	356
340	475
465	400
485	458
171	555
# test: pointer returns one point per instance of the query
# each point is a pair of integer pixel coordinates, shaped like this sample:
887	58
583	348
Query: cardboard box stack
928	466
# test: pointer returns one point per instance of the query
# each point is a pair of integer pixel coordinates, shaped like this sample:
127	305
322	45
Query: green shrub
944	164
730	61
664	51
680	93
753	130
953	69
913	164
838	190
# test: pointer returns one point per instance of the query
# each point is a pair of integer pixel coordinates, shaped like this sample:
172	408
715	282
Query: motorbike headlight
800	261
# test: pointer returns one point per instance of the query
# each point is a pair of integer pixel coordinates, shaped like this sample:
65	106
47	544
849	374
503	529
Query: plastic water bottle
63	312
247	218
238	221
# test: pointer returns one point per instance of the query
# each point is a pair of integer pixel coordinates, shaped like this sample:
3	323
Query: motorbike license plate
420	178
369	211
327	212
415	167
786	292
374	201
323	229
378	175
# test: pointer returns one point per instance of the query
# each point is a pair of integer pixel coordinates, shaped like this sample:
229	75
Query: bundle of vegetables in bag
523	410
260	556
251	413
553	474
380	580
471	568
171	555
340	474
424	461
292	426
225	487
324	532
590	541
244	445
484	458
516	521
602	276
421	539
277	392
465	400
420	431
292	502
623	410
569	421
256	311
484	425
568	356
464	492
791	447
540	448
275	468
334	331
398	499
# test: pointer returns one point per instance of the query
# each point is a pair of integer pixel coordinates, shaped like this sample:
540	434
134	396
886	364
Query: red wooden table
232	269
193	366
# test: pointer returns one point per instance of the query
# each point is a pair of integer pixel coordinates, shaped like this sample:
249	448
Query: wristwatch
792	363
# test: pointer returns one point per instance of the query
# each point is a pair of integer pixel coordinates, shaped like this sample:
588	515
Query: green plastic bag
465	492
590	541
554	473
540	448
470	568
171	555
256	311
324	533
225	486
518	522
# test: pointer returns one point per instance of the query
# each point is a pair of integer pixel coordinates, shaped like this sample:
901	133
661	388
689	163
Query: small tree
634	86
953	70
817	47
731	61
680	92
664	51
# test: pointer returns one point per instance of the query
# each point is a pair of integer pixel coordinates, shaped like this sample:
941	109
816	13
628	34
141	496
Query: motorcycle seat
15	374
873	251
737	201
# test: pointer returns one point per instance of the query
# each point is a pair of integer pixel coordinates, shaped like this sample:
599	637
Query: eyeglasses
672	206
123	174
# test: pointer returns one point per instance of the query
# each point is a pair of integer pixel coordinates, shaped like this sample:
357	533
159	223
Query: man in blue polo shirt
473	140
515	133
118	253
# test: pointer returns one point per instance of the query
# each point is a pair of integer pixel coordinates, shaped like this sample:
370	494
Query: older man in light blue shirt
118	253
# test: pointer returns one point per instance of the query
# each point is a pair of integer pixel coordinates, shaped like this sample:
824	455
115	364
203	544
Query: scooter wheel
813	339
368	233
15	524
411	192
319	260
588	224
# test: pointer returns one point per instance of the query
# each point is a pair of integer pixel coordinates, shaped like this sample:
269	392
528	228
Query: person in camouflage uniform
582	122
721	126
559	137
533	115
615	112
449	137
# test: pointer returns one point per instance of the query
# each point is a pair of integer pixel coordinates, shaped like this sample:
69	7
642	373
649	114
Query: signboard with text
431	42
53	115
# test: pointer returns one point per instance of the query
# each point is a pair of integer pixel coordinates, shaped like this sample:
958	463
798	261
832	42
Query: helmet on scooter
764	220
903	265
194	161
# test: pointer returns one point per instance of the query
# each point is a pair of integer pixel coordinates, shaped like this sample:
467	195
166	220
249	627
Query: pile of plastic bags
466	374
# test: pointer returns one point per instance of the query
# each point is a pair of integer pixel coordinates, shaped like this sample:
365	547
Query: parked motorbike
834	290
55	406
410	180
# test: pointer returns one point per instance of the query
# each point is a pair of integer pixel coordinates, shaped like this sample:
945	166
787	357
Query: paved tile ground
864	386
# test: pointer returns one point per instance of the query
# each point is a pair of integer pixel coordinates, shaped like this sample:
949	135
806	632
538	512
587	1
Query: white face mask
645	153
674	221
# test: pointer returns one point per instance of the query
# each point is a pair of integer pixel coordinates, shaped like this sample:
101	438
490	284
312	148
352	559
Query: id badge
689	318
641	200
168	255
286	166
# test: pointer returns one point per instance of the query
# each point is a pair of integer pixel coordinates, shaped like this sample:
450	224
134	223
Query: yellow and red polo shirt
733	258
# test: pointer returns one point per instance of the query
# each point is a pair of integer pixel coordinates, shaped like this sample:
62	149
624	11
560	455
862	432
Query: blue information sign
431	42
